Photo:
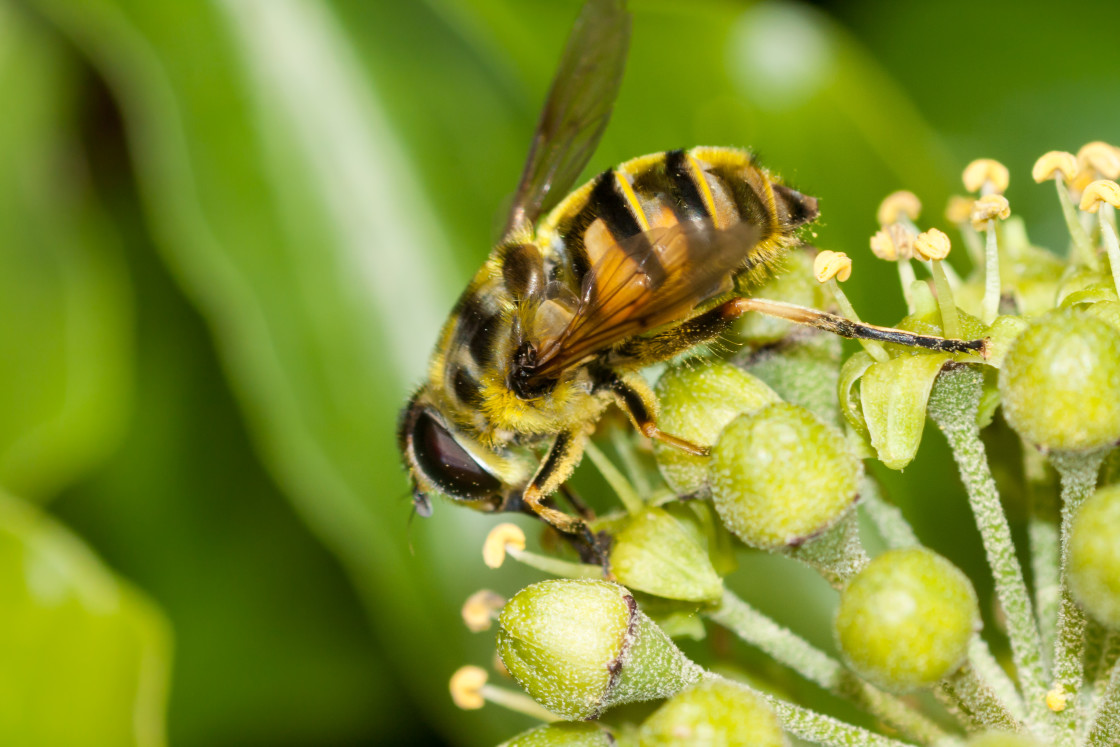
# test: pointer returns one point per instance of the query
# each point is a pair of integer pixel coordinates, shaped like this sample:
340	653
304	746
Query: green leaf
894	395
84	658
65	311
850	373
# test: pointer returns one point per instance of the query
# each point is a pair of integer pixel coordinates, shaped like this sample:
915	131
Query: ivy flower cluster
791	426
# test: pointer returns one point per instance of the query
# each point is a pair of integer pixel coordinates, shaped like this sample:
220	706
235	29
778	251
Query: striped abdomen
501	312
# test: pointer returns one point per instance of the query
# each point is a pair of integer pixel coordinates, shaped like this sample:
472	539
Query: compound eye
448	464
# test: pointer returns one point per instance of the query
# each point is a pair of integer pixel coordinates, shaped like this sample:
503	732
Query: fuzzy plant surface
792	427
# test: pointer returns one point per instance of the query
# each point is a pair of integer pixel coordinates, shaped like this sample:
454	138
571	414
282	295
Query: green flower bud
571	734
697	401
780	476
906	620
714	712
1001	739
580	646
656	554
1060	383
1094	556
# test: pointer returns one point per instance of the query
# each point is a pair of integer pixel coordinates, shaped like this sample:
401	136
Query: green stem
1105	729
992	288
1042	531
1082	246
1078	473
555	566
953	405
789	649
991	673
888	519
906	277
624	445
837	553
517	702
950	324
973	243
825	730
618	482
1108	233
873	347
974	703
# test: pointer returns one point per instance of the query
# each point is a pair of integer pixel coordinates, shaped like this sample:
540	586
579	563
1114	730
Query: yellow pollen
1056	700
829	264
1102	190
989	207
932	244
985	172
466	687
478	611
1101	158
896	203
501	539
1053	165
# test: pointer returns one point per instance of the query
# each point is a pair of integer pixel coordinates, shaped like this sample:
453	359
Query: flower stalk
953	407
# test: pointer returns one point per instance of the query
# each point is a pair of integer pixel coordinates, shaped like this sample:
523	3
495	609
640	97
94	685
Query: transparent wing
576	111
641	283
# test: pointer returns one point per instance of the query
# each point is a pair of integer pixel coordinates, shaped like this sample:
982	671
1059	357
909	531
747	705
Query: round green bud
781	476
1060	382
579	647
656	554
1001	739
905	621
1094	556
714	712
697	401
570	734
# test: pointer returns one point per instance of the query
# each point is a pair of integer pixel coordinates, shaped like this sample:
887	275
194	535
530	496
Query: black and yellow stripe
720	187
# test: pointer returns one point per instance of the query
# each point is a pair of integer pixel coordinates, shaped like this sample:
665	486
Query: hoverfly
644	262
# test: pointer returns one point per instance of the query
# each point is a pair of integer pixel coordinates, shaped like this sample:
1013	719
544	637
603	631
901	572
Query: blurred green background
229	231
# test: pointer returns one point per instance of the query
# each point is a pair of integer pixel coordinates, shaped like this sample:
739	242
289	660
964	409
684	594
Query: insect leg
639	402
838	325
562	458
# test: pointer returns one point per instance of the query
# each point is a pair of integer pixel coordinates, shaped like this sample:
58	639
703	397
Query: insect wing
643	282
576	111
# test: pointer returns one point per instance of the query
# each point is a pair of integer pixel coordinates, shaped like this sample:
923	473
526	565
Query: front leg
635	397
557	466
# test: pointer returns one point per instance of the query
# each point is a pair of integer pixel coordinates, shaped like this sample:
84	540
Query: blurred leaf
302	164
84	659
65	312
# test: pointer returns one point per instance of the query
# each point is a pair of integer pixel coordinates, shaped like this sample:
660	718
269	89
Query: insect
644	262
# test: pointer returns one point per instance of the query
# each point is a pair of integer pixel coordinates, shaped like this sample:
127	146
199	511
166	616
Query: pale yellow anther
985	172
989	207
1102	190
1056	700
829	264
959	209
502	538
932	244
899	203
896	241
480	609
882	246
1100	157
1054	163
466	687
